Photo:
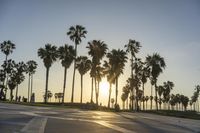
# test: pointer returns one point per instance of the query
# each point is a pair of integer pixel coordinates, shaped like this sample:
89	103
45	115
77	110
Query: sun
104	86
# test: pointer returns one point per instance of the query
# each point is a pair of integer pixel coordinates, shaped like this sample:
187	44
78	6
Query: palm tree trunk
6	79
72	96
81	88
151	95
16	95
28	86
109	95
11	94
143	94
156	96
96	89
116	95
136	103
64	84
31	87
92	92
132	101
47	80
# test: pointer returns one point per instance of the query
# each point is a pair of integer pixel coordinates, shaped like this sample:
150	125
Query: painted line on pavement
114	127
36	125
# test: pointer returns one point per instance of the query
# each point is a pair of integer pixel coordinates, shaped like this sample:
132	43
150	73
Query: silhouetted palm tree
76	33
83	64
132	47
146	100
160	90
144	75
2	86
97	50
66	54
109	73
156	64
49	55
31	66
8	67
168	86
20	70
123	98
117	59
112	101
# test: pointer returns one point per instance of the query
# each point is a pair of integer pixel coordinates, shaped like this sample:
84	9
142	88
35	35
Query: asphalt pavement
31	119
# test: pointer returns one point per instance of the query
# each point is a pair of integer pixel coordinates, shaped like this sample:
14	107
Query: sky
170	28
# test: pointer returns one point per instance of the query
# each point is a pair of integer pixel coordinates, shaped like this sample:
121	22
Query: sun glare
104	86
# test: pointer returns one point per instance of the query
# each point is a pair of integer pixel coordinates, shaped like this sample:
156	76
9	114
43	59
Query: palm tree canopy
156	63
7	47
97	49
31	67
66	54
117	59
8	66
168	86
160	90
76	33
109	72
2	76
83	64
132	47
49	54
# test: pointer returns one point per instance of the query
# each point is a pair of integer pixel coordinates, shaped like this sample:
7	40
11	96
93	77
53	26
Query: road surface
29	119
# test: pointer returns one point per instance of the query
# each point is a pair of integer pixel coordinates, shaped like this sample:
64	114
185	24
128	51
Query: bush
117	108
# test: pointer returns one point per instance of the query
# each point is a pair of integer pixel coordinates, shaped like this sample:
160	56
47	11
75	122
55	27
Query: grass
174	113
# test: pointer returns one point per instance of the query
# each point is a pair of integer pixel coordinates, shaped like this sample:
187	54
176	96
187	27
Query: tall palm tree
124	96
146	99
66	54
7	48
20	70
49	55
31	67
2	87
76	33
133	47
12	83
109	73
144	75
117	59
97	50
156	64
83	65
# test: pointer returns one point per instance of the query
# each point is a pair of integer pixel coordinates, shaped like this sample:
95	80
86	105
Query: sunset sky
170	27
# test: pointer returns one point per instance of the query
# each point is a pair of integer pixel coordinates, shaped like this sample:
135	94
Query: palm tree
123	98
66	54
97	50
76	33
30	69
12	83
160	90
146	99
156	64
144	75
7	48
126	91
20	70
117	59
8	67
49	55
133	47
2	87
83	65
108	71
168	86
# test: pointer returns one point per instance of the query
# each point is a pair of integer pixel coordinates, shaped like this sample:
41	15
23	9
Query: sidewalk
193	125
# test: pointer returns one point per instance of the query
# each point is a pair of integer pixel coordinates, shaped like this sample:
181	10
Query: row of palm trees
111	68
12	74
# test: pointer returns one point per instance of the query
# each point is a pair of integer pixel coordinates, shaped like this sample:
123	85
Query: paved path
29	119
